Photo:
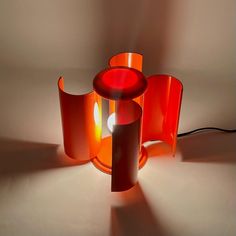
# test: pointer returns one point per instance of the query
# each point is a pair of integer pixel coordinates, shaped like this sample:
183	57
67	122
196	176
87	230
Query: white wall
193	40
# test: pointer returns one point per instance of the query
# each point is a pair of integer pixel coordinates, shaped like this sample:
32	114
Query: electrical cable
206	128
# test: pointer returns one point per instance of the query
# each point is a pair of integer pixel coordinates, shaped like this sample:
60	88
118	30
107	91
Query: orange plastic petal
126	145
81	123
162	102
128	59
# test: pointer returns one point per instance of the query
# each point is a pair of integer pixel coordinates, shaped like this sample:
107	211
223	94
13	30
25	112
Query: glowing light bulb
111	121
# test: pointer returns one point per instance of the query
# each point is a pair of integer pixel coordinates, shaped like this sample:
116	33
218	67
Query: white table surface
42	192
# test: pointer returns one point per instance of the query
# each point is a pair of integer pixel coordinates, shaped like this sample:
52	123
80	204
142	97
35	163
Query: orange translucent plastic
112	105
131	60
128	59
162	102
145	109
103	160
120	154
81	122
126	145
119	84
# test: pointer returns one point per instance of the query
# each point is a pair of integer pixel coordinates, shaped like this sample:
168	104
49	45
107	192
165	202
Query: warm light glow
111	121
96	114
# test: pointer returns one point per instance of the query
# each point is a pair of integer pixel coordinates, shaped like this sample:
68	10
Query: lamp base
103	161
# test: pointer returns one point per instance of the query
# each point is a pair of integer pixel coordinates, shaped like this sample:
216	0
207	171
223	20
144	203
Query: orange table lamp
140	109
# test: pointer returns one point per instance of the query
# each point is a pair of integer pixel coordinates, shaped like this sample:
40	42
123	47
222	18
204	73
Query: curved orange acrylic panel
81	123
128	59
126	145
131	60
162	102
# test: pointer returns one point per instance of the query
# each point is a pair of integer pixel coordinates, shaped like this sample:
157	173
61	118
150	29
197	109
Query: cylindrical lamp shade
126	145
81	123
120	85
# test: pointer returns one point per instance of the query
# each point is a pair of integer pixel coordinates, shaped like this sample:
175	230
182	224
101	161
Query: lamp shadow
17	157
159	149
134	216
202	147
208	147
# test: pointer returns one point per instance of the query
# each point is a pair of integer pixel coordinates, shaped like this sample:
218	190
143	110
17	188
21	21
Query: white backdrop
40	40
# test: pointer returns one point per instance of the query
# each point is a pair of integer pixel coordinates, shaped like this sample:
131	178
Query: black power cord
206	128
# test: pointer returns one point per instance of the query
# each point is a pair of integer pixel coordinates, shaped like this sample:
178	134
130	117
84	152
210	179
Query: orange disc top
120	83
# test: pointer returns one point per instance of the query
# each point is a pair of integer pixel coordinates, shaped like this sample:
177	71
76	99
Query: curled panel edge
81	123
162	103
126	145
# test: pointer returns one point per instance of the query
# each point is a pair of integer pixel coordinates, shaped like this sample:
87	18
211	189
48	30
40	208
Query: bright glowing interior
96	114
111	121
